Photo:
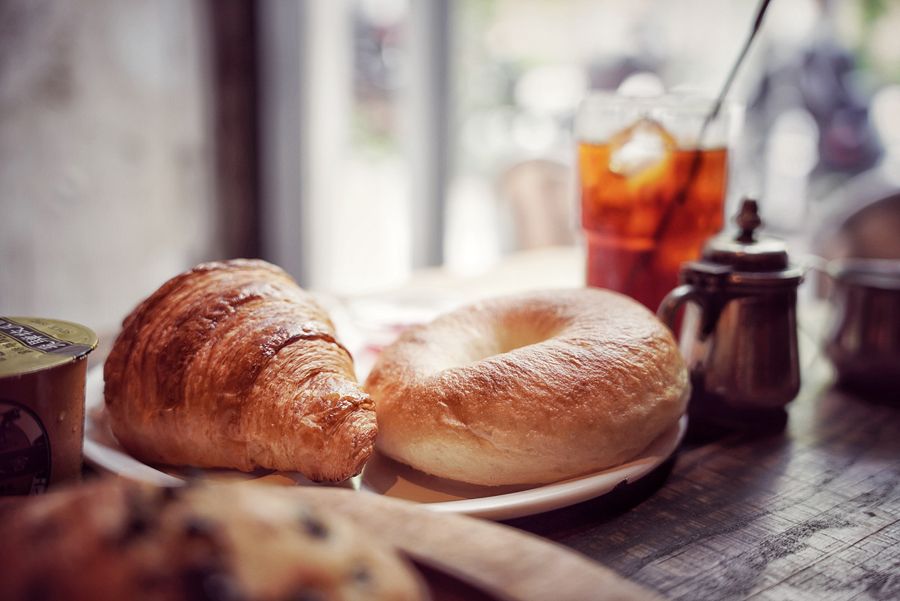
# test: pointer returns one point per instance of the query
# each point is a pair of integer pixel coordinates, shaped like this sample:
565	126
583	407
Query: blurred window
438	131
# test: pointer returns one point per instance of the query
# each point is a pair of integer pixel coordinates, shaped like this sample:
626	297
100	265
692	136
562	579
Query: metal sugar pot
865	343
739	330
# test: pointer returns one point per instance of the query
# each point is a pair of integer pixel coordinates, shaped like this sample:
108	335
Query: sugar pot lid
748	258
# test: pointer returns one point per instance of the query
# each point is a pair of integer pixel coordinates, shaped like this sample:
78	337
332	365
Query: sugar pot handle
668	308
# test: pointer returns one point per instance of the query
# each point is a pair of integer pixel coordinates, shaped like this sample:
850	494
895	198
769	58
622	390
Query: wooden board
458	552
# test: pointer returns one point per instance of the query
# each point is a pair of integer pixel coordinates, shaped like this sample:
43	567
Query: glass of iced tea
652	188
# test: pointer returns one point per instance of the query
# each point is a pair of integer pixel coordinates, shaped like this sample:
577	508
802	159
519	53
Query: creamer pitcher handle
668	308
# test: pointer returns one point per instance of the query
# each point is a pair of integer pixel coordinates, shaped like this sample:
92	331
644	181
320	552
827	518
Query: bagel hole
507	338
515	338
487	340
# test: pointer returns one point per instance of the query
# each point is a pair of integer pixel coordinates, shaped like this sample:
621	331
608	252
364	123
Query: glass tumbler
653	179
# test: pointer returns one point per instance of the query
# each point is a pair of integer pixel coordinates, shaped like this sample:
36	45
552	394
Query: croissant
232	364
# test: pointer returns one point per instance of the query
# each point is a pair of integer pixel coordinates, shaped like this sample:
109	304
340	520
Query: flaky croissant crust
231	364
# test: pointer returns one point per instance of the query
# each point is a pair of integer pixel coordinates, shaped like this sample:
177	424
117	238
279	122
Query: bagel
528	389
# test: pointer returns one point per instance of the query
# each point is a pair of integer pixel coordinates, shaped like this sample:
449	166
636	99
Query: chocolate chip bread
115	539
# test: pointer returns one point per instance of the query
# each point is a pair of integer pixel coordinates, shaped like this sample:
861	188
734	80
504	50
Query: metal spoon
681	196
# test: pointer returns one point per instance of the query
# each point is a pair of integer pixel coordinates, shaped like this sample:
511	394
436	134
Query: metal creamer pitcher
739	330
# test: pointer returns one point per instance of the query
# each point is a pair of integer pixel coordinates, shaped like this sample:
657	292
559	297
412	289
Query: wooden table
810	513
813	513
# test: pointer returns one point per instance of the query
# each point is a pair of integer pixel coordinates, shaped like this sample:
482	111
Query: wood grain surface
808	514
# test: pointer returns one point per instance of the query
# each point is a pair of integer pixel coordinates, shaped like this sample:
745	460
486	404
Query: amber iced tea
642	223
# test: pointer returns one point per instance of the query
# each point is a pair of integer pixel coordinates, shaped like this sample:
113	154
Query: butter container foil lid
30	344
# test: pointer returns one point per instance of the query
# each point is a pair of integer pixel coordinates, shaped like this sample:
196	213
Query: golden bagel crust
529	389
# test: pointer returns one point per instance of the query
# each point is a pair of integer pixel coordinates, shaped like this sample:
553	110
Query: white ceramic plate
384	476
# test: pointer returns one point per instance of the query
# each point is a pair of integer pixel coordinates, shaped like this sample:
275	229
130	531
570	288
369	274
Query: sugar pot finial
748	220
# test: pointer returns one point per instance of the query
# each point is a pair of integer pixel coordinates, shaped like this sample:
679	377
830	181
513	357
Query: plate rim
530	501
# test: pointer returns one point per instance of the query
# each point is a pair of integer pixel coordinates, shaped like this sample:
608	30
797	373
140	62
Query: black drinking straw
698	153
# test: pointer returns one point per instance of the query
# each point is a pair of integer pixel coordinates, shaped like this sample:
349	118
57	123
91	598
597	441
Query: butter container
43	368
